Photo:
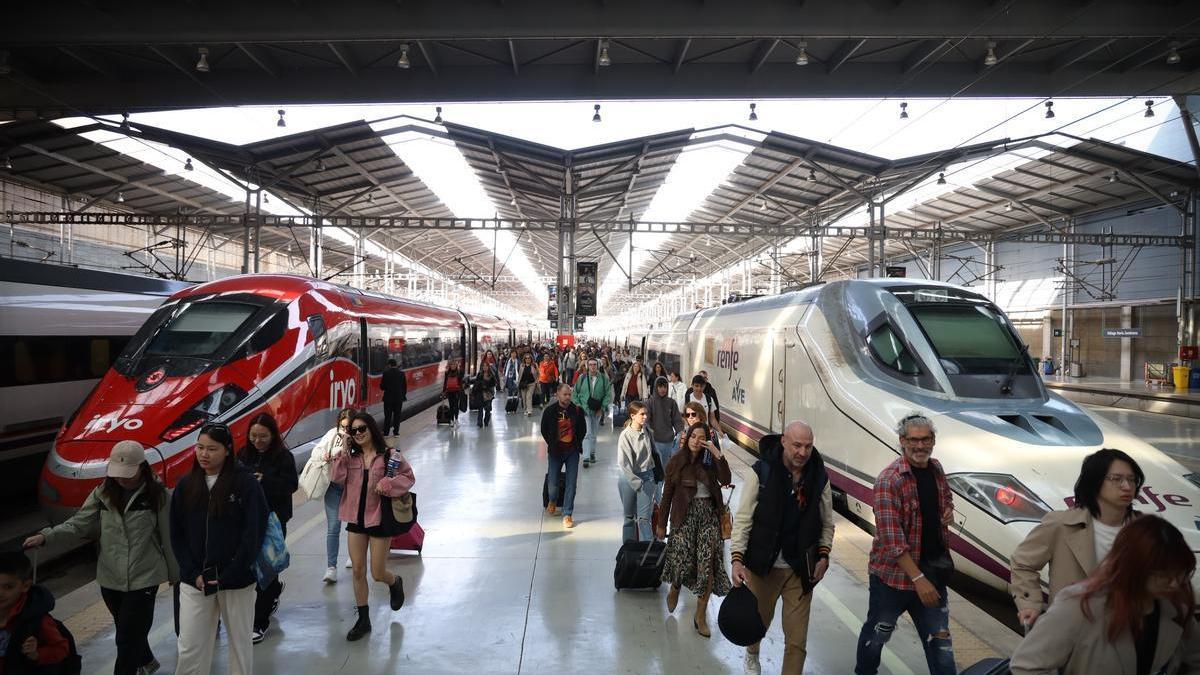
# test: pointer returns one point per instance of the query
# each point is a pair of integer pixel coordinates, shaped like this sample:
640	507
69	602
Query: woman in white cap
129	514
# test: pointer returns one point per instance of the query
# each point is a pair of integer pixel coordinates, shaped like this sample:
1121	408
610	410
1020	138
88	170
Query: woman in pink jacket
369	472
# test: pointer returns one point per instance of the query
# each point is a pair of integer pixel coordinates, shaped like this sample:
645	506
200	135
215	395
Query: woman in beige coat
1073	542
1133	615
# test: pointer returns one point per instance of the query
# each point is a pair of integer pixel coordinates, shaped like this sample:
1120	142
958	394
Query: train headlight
999	494
211	406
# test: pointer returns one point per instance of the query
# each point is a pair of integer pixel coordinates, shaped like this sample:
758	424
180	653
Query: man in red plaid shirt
910	556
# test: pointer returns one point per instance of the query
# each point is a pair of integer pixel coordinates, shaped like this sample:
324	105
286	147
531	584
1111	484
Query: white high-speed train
853	357
60	330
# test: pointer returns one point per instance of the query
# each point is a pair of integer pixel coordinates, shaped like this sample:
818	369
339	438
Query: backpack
73	664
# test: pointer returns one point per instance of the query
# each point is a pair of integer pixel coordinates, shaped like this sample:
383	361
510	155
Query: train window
200	329
891	350
378	349
270	333
47	359
316	326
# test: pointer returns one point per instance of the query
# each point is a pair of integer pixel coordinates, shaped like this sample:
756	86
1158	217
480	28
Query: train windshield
200	329
976	349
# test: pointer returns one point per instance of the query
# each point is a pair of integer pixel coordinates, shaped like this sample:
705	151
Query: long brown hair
1144	547
114	494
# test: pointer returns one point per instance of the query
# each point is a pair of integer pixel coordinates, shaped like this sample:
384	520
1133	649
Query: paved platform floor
1133	395
501	588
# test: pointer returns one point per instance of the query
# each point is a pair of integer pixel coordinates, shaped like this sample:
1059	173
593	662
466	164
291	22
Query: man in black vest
782	535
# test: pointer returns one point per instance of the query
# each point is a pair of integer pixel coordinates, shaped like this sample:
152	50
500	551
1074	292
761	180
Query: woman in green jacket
128	513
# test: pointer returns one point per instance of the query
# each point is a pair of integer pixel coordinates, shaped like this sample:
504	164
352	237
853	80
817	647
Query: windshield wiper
1021	358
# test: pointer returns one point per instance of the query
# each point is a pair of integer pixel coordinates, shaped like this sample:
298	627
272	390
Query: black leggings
133	615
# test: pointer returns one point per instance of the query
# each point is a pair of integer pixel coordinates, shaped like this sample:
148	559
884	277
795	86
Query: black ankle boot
361	627
396	591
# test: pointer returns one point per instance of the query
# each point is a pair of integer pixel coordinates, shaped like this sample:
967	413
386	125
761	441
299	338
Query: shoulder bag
726	517
314	479
273	557
403	510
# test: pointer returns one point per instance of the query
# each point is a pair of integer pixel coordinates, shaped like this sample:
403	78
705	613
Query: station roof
783	180
70	57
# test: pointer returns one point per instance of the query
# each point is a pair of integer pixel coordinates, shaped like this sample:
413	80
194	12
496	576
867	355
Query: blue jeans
884	608
556	462
638	505
589	441
333	526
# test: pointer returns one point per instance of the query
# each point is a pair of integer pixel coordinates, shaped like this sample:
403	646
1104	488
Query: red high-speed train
226	350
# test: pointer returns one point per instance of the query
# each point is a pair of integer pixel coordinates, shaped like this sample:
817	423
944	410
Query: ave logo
738	394
341	392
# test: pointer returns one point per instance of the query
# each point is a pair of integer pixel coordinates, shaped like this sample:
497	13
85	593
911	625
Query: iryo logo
341	393
110	423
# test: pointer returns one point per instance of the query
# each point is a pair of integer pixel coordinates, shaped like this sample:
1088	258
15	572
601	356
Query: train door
473	352
779	357
364	356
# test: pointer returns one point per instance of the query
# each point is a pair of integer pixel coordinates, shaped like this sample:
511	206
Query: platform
500	588
1132	395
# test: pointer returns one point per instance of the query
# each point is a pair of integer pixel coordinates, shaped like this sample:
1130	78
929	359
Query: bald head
564	395
797	445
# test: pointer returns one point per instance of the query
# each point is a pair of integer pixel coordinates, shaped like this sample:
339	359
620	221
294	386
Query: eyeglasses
691	414
1118	480
358	430
919	440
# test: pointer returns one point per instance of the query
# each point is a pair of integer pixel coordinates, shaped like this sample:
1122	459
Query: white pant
198	629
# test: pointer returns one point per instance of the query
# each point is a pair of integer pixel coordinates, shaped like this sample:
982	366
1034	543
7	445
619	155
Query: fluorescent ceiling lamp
444	170
696	173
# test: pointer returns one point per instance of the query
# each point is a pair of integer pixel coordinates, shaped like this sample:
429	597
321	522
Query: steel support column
567	226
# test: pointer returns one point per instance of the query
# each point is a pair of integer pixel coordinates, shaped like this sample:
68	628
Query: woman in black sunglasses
372	474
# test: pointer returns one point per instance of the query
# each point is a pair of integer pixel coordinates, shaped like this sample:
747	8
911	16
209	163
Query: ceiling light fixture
320	164
202	63
603	61
941	178
802	57
438	118
403	62
371	198
1112	178
1173	54
125	120
120	196
762	206
1149	109
596	115
1008	206
281	122
812	175
904	110
753	114
188	165
266	199
1049	110
990	59
8	163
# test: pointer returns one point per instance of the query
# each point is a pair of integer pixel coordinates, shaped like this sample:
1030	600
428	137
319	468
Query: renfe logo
727	358
341	393
110	423
1147	497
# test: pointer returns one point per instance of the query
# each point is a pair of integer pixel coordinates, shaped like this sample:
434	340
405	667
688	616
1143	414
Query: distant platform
1132	395
501	588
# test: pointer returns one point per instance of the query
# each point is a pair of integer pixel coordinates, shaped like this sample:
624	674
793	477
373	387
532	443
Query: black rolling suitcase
510	406
562	488
990	666
639	565
443	414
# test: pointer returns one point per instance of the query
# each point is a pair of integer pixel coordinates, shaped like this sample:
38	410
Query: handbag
404	509
659	474
726	517
314	479
273	557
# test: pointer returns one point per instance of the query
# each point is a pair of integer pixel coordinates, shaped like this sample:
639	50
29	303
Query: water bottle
393	465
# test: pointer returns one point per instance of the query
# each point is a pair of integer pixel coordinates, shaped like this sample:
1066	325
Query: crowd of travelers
1119	598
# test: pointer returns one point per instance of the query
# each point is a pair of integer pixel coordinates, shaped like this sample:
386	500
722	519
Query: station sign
579	322
552	305
896	272
1121	332
585	288
1058	332
554	323
565	341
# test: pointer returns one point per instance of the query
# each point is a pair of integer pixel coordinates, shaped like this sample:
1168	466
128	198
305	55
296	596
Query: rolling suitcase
639	565
536	400
413	540
562	488
510	406
443	414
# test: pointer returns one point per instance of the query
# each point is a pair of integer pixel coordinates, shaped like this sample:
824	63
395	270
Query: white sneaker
330	575
751	665
349	564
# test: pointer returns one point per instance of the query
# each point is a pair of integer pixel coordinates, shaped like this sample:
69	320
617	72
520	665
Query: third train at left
226	350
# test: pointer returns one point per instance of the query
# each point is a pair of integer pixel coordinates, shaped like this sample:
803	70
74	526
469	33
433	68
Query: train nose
72	470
